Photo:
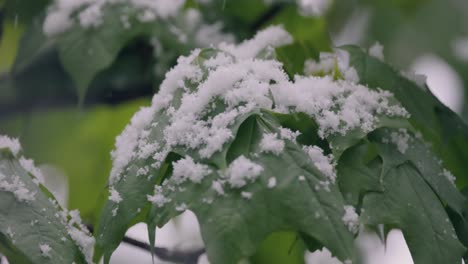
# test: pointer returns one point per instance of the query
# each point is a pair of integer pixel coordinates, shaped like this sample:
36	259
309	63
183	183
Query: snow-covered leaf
396	181
234	221
447	132
33	227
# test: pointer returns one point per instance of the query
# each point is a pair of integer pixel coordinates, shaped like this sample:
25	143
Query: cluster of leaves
387	187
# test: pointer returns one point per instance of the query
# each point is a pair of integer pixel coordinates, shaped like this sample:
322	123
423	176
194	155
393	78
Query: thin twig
186	257
175	256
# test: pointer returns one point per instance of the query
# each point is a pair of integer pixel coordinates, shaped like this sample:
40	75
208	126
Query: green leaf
438	124
86	52
406	191
230	223
460	223
32	227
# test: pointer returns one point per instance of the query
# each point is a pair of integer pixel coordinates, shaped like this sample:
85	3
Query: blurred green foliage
76	141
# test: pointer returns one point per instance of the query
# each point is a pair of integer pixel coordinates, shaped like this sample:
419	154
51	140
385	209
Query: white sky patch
241	171
270	143
443	81
314	7
419	79
322	256
10	143
186	168
351	219
114	195
377	51
45	250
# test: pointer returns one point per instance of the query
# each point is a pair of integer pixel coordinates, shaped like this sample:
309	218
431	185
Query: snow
158	197
322	162
114	195
271	144
90	14
218	187
288	134
10	143
400	139
351	219
17	188
449	176
127	141
45	250
241	171
376	51
204	98
337	106
84	241
28	165
313	67
271	182
186	168
246	195
273	36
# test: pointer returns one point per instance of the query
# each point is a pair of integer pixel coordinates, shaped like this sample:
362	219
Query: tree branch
175	256
186	257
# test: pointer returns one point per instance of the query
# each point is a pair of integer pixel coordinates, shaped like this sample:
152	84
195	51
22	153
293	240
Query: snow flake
114	195
323	163
218	187
376	51
271	143
246	195
351	219
271	182
242	170
449	176
45	250
400	138
158	197
186	168
10	143
17	187
288	134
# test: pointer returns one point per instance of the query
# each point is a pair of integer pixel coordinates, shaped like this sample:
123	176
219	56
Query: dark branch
186	257
267	16
175	256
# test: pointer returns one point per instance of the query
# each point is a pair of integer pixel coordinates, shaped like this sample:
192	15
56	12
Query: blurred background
70	133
